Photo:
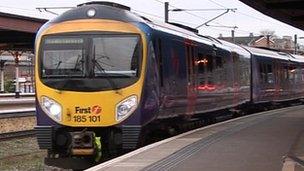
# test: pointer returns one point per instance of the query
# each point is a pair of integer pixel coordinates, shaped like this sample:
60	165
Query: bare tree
266	32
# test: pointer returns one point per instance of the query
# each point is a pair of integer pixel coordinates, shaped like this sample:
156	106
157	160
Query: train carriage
277	76
106	76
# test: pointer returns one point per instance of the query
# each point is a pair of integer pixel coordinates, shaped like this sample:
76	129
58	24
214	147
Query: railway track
15	113
17	134
13	95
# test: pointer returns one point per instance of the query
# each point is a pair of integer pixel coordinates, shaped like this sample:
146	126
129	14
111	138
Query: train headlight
126	107
91	12
51	108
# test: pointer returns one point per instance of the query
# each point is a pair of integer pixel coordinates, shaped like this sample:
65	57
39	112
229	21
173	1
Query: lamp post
17	56
2	62
166	12
2	75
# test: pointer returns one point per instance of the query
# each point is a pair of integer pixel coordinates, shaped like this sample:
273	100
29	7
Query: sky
245	18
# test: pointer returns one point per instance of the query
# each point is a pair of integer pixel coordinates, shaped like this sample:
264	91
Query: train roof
175	30
269	53
299	58
235	48
102	10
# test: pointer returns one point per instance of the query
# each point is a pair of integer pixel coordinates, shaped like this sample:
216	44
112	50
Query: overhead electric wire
153	15
159	1
182	22
256	18
182	11
238	30
194	14
24	9
160	17
218	4
244	14
219	24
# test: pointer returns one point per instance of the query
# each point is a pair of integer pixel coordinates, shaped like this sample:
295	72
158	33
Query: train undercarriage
80	148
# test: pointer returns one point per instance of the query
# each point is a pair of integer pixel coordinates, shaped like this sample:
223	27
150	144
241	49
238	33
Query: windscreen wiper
58	64
77	62
104	63
69	75
100	68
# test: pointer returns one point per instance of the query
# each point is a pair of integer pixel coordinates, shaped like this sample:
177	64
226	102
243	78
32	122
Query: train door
191	77
236	78
267	85
206	76
277	79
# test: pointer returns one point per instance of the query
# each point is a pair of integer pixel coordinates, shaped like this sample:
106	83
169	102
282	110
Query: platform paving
261	141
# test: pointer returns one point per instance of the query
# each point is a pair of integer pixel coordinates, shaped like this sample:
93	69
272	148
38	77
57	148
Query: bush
9	86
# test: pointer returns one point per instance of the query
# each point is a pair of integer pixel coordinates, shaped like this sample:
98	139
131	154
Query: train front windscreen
90	62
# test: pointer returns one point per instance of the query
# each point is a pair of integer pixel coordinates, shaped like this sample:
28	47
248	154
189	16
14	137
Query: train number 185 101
85	118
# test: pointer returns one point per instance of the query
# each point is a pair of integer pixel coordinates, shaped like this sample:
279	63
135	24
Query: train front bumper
74	142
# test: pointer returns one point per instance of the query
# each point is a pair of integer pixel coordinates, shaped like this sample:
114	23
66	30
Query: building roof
242	40
18	32
9	15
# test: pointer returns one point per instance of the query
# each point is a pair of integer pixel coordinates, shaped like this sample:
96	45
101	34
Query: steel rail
17	113
17	134
21	95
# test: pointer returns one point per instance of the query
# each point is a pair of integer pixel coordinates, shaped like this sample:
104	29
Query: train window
270	78
291	74
266	73
219	62
205	68
285	73
298	75
263	77
188	62
237	75
192	56
62	57
235	57
209	62
112	61
201	63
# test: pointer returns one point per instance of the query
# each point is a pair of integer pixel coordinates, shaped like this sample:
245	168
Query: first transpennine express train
104	74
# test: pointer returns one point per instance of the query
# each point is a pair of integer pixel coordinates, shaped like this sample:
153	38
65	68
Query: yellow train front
90	71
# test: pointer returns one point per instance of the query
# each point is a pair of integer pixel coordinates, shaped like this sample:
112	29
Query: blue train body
183	76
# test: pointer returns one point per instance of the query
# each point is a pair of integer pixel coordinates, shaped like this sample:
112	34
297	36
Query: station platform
271	140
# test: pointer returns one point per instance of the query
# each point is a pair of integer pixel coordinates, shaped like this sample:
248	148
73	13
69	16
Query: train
106	75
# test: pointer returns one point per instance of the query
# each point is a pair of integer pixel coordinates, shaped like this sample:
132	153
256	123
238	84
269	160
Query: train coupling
85	143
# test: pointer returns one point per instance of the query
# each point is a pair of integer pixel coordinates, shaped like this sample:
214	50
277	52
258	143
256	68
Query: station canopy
18	32
287	11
